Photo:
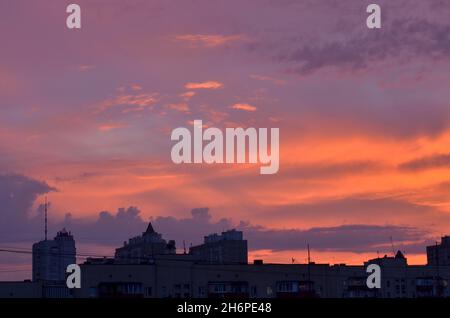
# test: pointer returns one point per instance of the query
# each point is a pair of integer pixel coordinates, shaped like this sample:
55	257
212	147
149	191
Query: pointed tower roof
150	229
399	254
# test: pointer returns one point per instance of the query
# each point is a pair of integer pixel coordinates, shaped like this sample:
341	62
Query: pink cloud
110	126
130	102
204	85
208	40
267	79
245	107
187	95
85	68
181	107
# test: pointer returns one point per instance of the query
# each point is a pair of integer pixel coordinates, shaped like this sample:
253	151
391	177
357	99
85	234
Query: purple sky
364	118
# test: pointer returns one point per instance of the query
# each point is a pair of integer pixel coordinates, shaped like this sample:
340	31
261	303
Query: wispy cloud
110	126
208	40
406	37
245	107
130	102
268	79
204	85
181	107
85	68
429	162
187	95
131	87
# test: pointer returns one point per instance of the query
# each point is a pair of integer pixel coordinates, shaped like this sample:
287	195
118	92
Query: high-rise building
51	258
439	254
227	248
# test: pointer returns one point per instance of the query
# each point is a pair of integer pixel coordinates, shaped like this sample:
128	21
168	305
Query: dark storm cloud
17	195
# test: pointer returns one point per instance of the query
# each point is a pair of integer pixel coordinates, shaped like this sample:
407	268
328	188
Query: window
202	291
287	287
93	292
148	291
219	288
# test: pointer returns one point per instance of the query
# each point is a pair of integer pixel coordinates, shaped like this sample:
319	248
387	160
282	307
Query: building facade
184	276
439	254
51	258
226	248
142	249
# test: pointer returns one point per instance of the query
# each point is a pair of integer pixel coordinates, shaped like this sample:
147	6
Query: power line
207	267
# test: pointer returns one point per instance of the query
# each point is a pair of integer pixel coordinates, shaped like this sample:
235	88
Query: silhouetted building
439	254
227	248
142	249
147	266
51	258
25	289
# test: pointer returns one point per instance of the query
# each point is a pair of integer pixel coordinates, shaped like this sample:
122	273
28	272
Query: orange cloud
110	126
244	106
204	85
208	40
130	102
322	257
187	95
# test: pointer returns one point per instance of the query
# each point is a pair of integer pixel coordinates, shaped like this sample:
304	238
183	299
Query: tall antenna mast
45	211
309	254
392	244
309	269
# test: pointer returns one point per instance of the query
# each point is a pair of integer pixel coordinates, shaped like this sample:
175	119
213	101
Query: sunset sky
364	119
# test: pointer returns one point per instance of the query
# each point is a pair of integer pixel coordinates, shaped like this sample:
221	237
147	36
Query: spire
399	254
150	229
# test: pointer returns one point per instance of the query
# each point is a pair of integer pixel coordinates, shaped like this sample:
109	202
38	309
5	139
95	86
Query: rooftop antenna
393	249
309	254
309	269
184	246
45	212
